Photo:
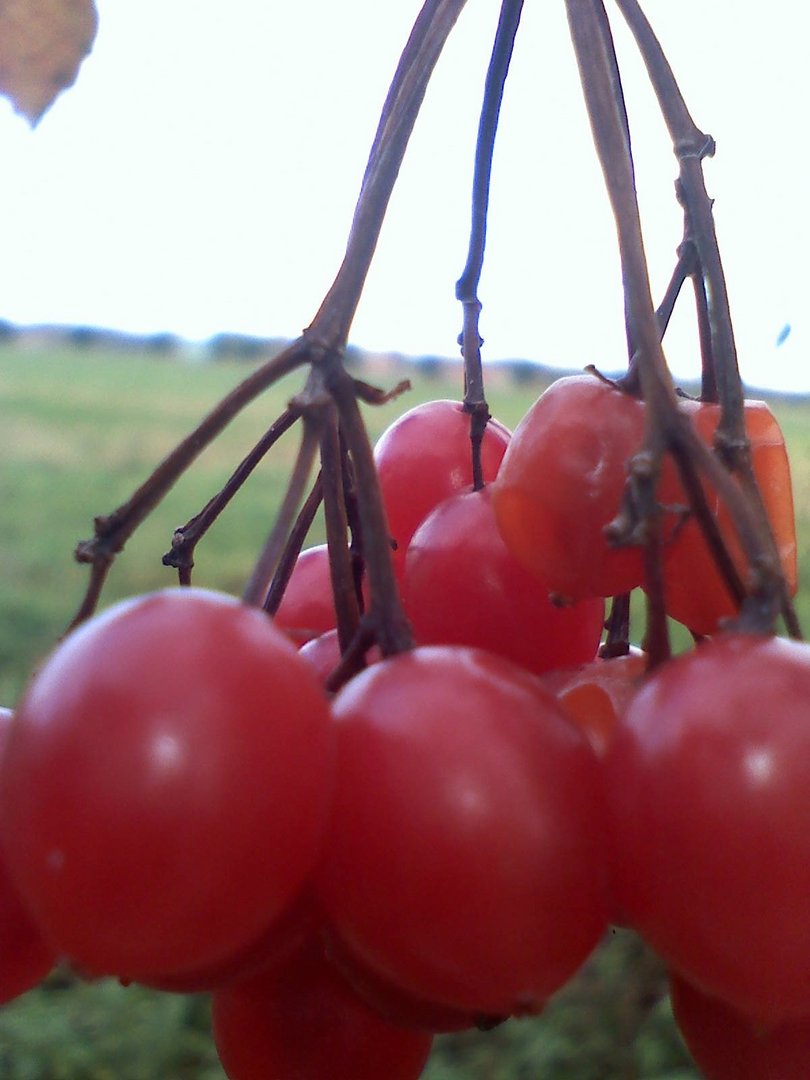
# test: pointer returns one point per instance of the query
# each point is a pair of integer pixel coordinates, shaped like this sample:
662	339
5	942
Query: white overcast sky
201	176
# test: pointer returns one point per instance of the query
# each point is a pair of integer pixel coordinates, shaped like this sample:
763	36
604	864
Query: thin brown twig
666	427
111	531
594	52
329	330
344	592
100	567
325	339
708	378
186	538
470	338
353	521
691	146
353	657
617	640
256	588
292	549
332	322
403	102
386	613
684	267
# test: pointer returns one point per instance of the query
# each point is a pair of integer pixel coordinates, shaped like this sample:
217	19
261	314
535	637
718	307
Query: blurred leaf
42	44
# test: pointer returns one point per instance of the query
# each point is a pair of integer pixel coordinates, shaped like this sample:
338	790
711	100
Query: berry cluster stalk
322	346
667	429
467	285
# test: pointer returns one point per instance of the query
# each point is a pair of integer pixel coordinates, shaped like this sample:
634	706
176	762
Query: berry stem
258	584
467	285
385	613
667	429
663	313
292	549
337	528
113	530
186	538
617	640
328	332
691	146
430	32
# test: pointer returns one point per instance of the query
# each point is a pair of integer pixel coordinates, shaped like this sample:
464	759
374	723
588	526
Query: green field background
78	432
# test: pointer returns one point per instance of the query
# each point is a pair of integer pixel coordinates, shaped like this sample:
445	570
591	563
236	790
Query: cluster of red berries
443	842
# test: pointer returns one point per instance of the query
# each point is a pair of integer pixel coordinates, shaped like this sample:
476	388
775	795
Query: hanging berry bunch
406	783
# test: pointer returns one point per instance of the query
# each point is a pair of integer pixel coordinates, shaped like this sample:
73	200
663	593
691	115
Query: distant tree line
229	345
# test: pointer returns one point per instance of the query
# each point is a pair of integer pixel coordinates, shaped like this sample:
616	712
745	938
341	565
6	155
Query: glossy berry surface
729	1046
562	482
462	586
695	592
458	778
166	784
709	789
25	959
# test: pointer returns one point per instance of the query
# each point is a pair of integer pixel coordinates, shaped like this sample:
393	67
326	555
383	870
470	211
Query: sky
201	177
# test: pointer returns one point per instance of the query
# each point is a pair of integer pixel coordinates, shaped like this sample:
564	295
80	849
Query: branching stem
324	341
186	538
691	146
113	530
667	429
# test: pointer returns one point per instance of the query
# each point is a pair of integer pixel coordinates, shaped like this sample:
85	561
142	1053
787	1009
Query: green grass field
79	432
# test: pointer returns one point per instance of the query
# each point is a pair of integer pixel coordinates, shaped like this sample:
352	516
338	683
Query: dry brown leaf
42	44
